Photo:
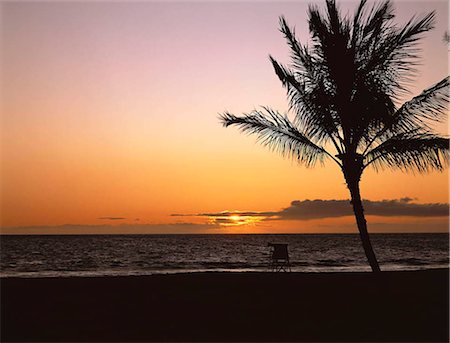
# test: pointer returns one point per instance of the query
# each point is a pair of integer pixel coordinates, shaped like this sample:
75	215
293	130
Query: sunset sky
110	124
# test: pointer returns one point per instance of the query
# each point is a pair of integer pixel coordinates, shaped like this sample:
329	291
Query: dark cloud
318	209
112	218
315	209
405	207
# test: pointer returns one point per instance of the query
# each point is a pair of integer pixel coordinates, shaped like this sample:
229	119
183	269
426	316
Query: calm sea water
100	255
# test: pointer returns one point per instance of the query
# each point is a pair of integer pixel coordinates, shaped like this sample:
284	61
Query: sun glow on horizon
227	218
235	218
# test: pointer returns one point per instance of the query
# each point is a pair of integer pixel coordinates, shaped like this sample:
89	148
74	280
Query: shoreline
77	274
221	306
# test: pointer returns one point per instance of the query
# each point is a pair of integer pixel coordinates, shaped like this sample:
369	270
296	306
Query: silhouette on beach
279	257
343	92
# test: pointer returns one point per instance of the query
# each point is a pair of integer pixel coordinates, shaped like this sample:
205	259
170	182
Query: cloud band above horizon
320	209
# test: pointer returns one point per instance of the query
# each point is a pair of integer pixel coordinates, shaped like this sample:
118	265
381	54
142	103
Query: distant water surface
114	255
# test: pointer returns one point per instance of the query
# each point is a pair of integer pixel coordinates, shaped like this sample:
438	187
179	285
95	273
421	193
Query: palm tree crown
343	91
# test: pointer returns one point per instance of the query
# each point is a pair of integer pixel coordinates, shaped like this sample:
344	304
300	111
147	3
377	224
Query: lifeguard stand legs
279	257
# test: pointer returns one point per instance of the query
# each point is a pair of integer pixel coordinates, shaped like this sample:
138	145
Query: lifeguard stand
279	257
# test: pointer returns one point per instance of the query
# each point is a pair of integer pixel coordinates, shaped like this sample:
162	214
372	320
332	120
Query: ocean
119	255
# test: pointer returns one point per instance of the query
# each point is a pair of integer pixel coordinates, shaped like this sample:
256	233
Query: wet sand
392	306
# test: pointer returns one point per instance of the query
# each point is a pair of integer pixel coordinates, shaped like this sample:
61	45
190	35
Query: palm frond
311	105
357	22
377	19
279	134
422	111
386	57
429	106
416	150
300	57
392	53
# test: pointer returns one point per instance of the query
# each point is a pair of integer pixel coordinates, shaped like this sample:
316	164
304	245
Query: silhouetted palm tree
344	90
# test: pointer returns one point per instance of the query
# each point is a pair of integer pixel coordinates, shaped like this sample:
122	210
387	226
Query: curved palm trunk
356	202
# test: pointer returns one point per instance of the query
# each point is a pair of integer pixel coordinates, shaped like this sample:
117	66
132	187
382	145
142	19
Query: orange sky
110	110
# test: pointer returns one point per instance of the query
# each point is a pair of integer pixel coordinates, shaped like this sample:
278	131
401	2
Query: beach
392	306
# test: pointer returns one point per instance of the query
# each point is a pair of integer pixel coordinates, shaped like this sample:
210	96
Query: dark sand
393	306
